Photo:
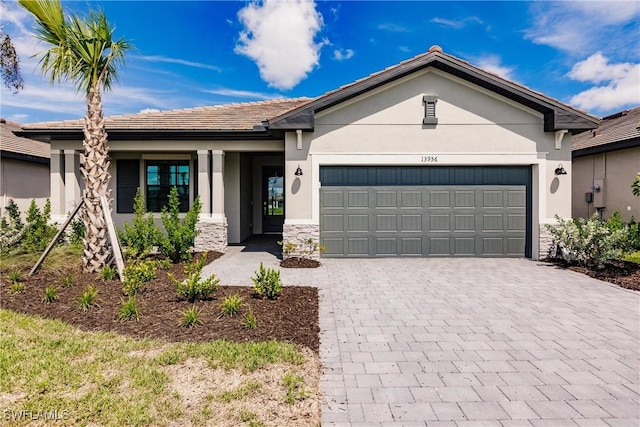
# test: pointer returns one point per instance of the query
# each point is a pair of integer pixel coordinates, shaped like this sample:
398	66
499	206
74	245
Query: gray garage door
423	220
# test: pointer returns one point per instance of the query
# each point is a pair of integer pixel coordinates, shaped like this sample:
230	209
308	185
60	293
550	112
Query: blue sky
195	53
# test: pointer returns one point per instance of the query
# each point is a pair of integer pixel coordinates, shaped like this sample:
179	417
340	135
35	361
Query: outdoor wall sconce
299	171
560	170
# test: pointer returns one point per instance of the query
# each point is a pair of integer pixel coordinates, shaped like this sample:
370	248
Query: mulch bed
298	262
293	317
622	273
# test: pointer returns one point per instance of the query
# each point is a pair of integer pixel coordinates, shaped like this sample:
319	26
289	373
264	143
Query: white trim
300	222
426	158
559	136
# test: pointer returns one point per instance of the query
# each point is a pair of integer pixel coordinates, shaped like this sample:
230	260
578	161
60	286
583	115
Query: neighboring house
24	168
606	161
431	157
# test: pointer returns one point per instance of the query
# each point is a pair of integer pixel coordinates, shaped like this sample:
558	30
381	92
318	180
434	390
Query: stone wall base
212	237
300	240
547	248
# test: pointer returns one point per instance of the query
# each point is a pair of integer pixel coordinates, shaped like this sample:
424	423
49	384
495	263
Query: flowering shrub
588	242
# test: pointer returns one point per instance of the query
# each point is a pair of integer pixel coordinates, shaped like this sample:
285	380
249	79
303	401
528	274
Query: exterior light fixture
560	170
299	171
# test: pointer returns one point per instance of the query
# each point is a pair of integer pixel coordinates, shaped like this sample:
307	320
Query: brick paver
455	342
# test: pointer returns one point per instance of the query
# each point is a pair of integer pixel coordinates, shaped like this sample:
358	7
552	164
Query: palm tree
82	50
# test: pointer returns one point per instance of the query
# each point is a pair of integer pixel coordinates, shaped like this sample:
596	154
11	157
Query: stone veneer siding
547	248
212	237
299	234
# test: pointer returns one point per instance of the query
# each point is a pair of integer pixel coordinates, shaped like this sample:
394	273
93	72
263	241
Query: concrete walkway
461	342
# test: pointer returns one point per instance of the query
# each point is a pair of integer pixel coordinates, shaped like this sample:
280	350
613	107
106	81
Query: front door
272	199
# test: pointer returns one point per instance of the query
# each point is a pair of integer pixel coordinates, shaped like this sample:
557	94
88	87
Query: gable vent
430	110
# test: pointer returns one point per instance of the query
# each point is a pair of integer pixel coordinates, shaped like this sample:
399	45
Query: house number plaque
429	159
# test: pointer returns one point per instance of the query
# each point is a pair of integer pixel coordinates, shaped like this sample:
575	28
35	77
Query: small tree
177	243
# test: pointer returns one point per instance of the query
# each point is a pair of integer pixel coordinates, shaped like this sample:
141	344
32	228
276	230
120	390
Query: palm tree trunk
95	170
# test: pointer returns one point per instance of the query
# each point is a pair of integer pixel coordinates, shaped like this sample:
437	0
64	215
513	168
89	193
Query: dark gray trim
605	148
557	116
24	157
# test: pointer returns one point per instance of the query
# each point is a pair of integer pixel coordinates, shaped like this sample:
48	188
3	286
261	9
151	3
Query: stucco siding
23	181
614	171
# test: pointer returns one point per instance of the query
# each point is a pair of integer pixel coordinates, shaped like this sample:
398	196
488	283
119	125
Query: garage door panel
358	199
411	223
411	246
439	246
439	199
386	246
358	246
386	223
411	199
333	222
439	222
424	220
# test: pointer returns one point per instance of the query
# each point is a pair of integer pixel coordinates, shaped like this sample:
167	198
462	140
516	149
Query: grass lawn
51	369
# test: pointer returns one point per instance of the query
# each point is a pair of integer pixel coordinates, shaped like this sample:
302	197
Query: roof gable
556	114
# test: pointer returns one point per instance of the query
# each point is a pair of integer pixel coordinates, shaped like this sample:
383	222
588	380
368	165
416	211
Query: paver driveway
456	342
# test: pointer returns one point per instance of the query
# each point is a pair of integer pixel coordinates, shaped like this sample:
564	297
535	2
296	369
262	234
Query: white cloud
493	64
343	54
456	24
149	110
578	26
234	93
279	36
621	83
404	49
159	58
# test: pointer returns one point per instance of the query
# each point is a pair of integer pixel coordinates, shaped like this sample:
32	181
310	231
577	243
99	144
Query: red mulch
299	262
293	317
622	273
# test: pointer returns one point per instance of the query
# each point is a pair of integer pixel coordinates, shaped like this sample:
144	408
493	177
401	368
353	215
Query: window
161	176
430	110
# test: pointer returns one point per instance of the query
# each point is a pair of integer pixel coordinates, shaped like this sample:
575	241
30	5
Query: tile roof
226	117
615	128
9	142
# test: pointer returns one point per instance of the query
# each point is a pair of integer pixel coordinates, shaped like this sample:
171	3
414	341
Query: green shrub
88	299
634	235
11	228
76	236
230	306
142	235
50	294
16	287
191	317
250	321
129	309
136	275
39	231
192	288
588	242
67	281
15	276
108	273
180	234
267	283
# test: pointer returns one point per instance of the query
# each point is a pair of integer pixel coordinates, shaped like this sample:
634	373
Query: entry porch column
212	222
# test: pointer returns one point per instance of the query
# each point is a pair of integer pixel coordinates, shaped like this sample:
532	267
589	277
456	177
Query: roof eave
149	134
604	148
